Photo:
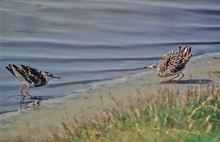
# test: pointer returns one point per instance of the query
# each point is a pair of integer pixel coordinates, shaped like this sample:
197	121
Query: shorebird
30	77
173	63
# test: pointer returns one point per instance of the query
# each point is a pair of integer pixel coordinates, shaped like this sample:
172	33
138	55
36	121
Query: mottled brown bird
173	63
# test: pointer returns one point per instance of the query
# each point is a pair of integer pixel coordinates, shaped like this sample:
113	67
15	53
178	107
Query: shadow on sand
190	81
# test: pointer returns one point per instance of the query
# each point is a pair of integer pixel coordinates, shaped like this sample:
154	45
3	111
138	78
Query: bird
30	77
173	63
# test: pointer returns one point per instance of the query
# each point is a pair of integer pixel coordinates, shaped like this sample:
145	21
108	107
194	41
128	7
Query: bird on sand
173	63
30	77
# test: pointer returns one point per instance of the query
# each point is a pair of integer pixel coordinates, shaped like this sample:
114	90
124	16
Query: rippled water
88	41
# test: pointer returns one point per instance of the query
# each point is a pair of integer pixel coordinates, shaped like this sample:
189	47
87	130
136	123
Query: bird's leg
169	80
26	91
20	90
179	78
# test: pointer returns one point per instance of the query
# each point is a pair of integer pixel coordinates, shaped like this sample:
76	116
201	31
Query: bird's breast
165	74
161	74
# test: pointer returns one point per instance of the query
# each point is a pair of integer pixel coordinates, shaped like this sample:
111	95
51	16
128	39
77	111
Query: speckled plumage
173	63
29	76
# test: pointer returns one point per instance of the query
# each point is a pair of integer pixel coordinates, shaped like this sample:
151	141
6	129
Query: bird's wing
178	60
10	69
33	74
22	75
38	78
18	73
165	61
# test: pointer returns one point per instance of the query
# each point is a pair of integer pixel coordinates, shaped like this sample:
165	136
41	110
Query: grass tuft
165	116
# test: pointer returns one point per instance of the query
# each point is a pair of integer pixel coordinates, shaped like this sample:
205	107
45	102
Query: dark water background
88	41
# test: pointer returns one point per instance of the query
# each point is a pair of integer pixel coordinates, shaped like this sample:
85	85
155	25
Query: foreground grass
166	116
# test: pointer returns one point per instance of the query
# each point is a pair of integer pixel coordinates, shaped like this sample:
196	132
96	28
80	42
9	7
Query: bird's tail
186	53
9	68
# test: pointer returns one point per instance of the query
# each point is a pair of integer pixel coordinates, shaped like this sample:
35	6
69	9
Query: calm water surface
88	41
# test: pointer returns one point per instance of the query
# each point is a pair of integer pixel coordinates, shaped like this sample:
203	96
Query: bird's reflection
28	104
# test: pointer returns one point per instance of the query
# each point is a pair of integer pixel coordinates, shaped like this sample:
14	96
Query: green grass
163	117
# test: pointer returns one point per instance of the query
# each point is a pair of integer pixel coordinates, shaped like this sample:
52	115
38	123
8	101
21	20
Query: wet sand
34	124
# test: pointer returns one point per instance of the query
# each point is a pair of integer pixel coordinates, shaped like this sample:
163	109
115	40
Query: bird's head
49	75
153	66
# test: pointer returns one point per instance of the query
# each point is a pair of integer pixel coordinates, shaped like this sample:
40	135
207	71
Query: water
90	41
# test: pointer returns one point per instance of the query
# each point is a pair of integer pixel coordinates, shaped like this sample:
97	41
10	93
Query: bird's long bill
149	67
57	77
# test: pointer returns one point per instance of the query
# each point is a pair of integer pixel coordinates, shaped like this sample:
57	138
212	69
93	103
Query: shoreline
37	121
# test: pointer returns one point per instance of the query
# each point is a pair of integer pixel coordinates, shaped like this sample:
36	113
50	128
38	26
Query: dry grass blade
166	116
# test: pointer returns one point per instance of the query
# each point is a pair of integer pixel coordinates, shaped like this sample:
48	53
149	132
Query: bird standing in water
173	63
30	77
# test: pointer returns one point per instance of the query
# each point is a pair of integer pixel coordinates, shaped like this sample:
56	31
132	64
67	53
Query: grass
167	116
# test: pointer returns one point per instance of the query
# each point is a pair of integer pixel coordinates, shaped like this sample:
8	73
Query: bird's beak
149	67
57	77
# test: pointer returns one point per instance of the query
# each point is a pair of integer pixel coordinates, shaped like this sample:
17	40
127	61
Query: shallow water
89	41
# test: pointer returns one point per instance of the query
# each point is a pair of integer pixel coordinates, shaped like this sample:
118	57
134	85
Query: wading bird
30	77
173	63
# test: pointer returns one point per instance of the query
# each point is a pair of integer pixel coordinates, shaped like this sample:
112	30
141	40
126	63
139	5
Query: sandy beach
34	124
